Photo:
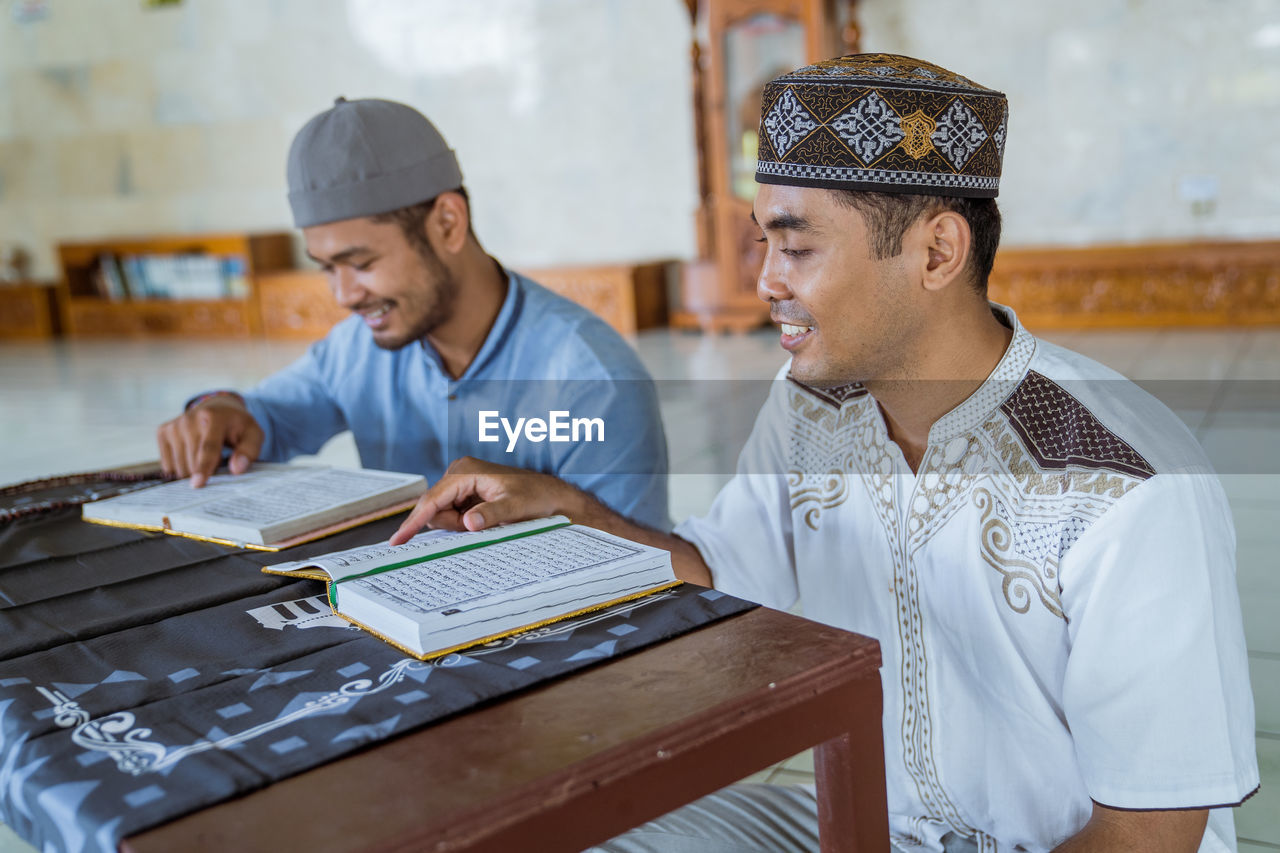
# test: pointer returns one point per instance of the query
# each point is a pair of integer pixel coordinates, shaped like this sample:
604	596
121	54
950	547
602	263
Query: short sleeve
746	538
1156	691
628	470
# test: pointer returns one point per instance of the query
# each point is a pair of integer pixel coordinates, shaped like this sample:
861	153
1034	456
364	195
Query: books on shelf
268	507
112	278
443	591
184	275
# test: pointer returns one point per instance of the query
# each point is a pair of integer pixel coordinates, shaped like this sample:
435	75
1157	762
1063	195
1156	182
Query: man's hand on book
475	495
191	444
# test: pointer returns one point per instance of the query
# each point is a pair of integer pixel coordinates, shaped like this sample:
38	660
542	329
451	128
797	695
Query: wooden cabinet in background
86	310
28	311
629	297
297	304
1209	283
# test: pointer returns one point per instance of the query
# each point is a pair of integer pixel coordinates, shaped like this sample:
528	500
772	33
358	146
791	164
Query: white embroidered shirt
1053	591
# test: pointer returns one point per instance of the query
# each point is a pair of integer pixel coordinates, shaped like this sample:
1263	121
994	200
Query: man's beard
444	299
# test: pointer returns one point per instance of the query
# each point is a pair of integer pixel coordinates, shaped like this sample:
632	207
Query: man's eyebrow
343	256
787	222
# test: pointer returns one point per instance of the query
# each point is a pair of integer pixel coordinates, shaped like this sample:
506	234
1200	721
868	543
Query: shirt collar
979	405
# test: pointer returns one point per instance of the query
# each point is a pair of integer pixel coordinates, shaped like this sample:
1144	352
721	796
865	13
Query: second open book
443	591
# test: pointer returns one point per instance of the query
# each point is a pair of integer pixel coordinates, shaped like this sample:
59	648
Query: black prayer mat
145	676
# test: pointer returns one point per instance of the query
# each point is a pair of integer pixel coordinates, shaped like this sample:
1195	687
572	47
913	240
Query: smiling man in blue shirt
443	340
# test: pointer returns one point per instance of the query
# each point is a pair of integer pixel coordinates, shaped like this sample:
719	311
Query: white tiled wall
1112	105
572	118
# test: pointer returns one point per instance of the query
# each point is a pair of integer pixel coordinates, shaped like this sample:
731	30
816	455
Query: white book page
366	558
151	505
295	498
510	569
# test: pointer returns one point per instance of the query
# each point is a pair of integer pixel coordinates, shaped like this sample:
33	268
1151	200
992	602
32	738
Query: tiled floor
71	407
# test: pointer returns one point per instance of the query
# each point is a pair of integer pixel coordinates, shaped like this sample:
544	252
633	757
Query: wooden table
575	762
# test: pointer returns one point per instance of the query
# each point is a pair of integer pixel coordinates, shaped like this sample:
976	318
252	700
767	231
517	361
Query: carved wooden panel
1173	284
223	318
27	311
628	297
297	304
219	318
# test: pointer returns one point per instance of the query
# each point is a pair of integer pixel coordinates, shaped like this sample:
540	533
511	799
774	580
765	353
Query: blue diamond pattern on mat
218	733
18	782
352	670
183	674
419	675
524	662
123	675
60	803
270	679
289	744
143	796
370	732
598	651
107	835
306	697
411	696
711	594
73	690
237	672
13	682
236	710
622	630
90	758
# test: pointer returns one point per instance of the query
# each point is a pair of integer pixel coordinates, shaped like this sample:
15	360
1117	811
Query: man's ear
947	240
449	223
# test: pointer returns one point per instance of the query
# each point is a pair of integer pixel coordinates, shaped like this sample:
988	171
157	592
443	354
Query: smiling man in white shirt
1041	548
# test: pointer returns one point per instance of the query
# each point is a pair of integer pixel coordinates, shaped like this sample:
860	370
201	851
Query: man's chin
817	375
392	341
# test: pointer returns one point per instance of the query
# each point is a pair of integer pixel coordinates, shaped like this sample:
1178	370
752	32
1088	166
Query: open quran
268	507
443	591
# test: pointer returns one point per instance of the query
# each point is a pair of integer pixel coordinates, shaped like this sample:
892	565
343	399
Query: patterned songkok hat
882	123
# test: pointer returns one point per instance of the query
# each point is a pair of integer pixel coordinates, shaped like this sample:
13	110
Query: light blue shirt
544	354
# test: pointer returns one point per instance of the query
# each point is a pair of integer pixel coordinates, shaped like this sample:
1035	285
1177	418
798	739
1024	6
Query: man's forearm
1121	831
686	559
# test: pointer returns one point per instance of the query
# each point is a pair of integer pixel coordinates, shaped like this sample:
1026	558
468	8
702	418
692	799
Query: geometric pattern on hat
885	123
788	122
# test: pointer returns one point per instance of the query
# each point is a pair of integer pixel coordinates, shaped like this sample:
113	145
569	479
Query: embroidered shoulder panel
1059	432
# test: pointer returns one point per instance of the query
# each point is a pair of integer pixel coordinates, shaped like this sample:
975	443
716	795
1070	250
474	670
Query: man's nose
345	289
771	286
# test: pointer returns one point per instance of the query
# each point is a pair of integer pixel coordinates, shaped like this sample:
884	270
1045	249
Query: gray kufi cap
366	157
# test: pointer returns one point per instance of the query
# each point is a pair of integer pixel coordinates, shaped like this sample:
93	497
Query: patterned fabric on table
145	676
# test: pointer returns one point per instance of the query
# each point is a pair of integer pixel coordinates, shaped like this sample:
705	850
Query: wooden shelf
28	311
297	304
1208	283
629	297
85	311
